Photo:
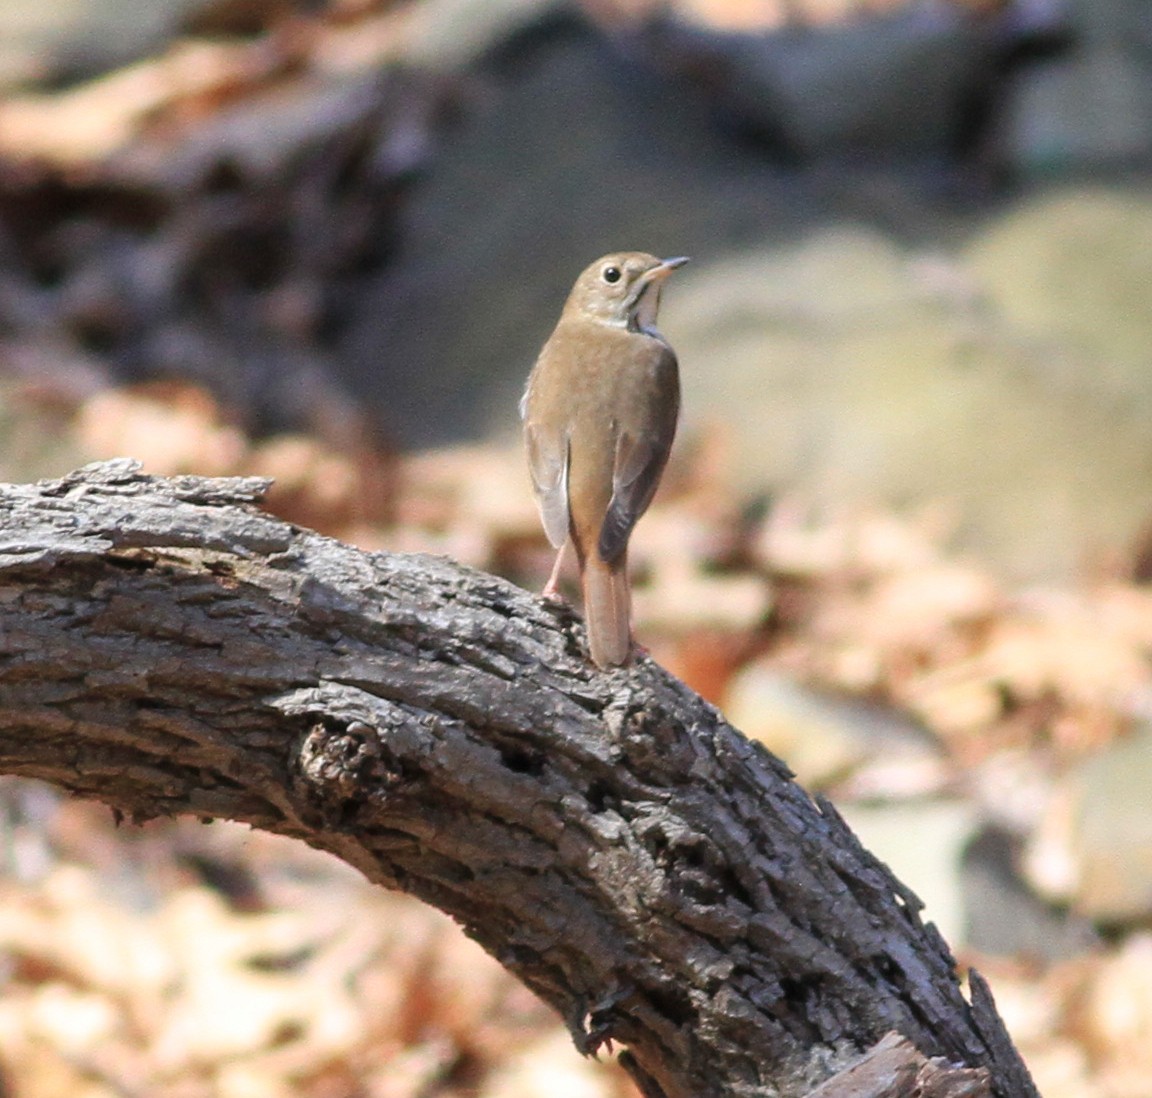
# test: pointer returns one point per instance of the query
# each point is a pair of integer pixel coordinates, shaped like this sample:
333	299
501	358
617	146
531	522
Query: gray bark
658	879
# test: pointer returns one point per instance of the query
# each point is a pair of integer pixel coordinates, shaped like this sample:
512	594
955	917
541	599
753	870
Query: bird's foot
552	593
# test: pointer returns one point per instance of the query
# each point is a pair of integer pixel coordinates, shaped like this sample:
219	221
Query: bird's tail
607	610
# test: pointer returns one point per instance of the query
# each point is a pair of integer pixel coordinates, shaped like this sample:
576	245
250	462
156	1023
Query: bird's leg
552	587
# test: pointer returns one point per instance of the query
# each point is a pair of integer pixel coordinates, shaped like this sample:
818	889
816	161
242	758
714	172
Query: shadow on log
167	647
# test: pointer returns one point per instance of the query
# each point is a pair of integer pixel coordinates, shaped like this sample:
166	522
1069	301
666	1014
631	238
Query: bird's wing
548	453
641	454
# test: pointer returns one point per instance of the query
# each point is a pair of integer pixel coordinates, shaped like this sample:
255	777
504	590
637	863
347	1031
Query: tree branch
895	1069
167	647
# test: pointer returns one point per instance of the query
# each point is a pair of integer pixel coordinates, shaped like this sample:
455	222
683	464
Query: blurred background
906	536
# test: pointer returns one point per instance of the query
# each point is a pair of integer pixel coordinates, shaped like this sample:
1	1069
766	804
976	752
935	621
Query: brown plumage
599	416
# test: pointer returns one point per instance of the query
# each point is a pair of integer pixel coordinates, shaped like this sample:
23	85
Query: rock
1003	916
1091	105
909	83
449	34
847	368
1093	847
39	40
1071	269
34	439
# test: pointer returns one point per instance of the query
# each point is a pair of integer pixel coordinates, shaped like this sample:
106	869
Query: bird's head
622	289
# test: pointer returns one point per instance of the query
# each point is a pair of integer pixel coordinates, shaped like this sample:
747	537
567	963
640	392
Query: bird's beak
645	298
664	268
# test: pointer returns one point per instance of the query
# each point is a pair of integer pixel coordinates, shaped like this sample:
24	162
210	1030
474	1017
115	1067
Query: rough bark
894	1068
661	881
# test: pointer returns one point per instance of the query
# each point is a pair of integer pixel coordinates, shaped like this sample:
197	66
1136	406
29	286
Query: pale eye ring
610	274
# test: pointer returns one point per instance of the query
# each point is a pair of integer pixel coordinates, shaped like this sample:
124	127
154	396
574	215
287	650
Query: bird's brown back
592	384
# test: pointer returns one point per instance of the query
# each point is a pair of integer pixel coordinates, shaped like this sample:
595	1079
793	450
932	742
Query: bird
599	414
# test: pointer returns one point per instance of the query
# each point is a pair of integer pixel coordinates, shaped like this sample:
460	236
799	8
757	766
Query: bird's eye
611	274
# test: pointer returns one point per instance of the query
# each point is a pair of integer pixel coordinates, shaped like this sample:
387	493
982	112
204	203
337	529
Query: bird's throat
642	314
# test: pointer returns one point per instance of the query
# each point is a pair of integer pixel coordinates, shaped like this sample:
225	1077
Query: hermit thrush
599	416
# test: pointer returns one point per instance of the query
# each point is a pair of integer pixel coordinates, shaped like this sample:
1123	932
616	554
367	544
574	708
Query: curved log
658	879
